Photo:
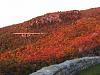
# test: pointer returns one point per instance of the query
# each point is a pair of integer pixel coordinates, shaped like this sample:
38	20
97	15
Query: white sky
17	11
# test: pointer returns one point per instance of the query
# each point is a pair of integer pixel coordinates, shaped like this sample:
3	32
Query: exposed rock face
57	17
69	67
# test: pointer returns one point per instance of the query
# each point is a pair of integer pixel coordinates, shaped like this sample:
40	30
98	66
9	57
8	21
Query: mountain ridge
69	34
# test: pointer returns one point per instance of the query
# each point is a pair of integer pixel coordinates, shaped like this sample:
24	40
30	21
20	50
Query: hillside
69	35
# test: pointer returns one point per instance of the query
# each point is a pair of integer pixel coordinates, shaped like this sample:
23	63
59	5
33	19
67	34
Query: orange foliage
63	39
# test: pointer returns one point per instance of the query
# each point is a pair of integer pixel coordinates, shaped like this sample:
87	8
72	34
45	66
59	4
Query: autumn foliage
69	35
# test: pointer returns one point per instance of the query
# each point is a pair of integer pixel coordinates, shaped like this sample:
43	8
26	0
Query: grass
93	70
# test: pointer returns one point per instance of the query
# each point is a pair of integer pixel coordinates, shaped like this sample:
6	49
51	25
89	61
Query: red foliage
63	39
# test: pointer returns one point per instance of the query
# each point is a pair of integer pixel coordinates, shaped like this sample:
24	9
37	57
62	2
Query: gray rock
69	67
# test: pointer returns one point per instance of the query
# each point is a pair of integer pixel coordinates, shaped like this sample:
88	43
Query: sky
18	11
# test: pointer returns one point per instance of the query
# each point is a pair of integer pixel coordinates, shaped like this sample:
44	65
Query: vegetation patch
93	70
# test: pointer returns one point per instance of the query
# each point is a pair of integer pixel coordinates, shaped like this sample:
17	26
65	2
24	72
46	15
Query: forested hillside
68	35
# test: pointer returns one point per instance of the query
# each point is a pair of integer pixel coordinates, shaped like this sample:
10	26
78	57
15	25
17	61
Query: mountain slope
69	34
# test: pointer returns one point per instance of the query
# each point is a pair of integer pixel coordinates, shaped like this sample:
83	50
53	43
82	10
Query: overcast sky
17	11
